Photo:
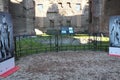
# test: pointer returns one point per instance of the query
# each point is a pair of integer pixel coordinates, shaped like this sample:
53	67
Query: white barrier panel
114	51
114	33
7	65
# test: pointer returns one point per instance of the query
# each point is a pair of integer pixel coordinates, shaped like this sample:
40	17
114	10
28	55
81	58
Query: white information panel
6	43
114	32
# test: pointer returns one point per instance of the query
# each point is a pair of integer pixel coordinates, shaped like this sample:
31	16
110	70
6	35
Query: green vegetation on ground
46	43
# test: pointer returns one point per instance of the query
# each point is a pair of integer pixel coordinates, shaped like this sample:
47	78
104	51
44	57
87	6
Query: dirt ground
69	65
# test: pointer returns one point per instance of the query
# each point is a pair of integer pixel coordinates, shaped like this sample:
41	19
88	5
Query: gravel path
69	65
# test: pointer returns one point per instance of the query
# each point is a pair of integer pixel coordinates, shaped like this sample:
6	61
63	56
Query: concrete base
7	65
114	51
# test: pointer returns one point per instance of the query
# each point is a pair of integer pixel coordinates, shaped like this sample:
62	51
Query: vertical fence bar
15	47
56	42
19	47
50	43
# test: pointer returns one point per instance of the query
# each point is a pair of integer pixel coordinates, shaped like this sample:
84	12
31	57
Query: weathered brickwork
28	15
96	9
101	10
4	5
52	14
23	14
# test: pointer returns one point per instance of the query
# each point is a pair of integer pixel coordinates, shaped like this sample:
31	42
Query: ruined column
4	5
29	12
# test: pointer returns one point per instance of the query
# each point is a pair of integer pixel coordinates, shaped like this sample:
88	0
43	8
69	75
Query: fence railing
29	44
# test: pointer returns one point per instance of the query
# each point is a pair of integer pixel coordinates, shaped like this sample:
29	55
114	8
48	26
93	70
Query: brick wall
22	12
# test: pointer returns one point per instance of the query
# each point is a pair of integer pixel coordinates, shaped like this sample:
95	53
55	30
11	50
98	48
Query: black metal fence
30	44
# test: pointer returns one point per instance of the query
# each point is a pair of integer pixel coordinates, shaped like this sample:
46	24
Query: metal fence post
56	42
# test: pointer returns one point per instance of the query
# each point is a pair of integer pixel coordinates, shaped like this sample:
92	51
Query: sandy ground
69	65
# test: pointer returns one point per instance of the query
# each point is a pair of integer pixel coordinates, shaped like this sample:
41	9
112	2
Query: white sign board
6	43
114	32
